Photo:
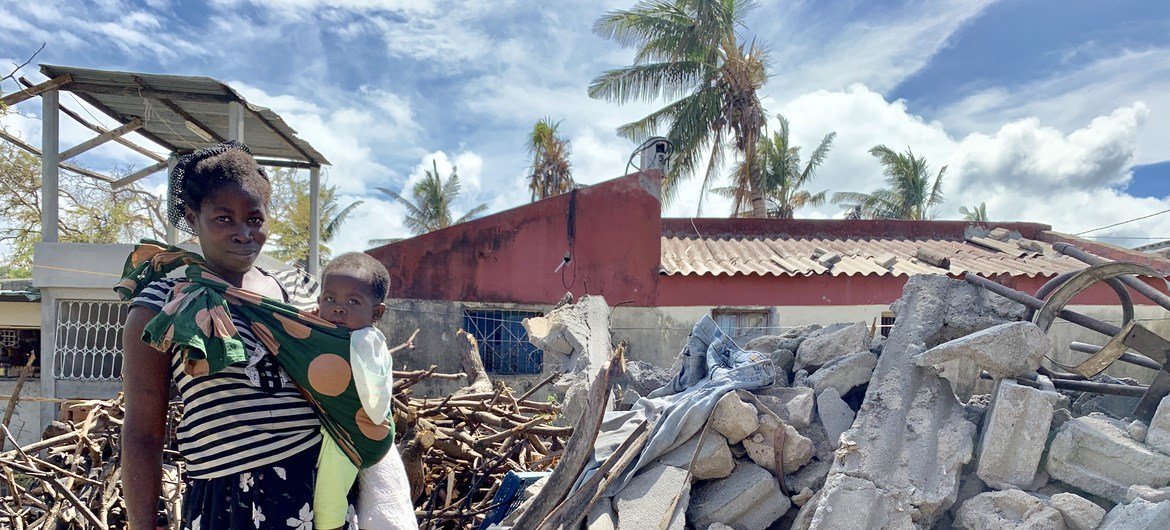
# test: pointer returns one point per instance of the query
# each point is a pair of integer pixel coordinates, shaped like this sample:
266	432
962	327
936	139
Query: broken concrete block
1008	350
764	344
800	378
1094	454
818	350
1145	492
1079	513
733	418
652	497
643	377
749	498
575	336
783	360
911	437
844	373
835	414
1158	433
851	502
761	447
800	498
1140	513
713	461
794	405
1007	510
719	526
969	487
1137	430
601	516
1015	434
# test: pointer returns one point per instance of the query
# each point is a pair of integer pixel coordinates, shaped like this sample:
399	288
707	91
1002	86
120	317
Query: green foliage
430	208
89	211
977	214
783	179
549	171
910	192
289	218
689	51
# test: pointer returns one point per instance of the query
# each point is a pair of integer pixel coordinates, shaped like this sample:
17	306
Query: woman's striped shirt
232	423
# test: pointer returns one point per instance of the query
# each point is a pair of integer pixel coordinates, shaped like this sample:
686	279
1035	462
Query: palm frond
472	214
647	82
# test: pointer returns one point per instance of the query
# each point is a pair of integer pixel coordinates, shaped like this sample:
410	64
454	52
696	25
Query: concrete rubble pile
945	423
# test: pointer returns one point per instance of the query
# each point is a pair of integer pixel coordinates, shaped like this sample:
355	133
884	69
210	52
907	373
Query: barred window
742	324
9	337
503	342
88	344
887	323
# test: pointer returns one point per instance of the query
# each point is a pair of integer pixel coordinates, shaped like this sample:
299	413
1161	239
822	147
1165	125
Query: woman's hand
146	383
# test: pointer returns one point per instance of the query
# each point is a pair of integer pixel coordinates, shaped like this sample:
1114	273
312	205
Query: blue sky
1055	112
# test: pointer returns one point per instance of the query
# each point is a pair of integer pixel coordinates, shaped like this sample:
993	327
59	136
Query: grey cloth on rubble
713	365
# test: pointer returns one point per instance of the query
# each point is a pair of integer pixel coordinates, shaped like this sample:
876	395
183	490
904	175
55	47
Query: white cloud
375	218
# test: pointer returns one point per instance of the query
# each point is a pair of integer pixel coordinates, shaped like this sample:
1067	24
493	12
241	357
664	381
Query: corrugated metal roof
162	100
780	256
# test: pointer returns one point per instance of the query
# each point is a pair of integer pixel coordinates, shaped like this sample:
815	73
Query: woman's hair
198	175
362	266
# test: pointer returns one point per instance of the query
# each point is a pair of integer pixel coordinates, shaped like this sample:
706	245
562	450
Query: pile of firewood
72	478
457	449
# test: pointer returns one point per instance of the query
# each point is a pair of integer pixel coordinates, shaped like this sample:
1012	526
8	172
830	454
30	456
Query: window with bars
887	323
503	342
88	344
17	347
743	324
9	337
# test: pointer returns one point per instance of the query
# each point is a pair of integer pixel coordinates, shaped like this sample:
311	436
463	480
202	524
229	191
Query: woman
249	438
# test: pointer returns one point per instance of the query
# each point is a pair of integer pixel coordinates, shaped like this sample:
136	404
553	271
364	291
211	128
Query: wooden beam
138	80
138	175
174	95
99	129
286	163
281	134
100	139
194	121
80	171
123	119
34	90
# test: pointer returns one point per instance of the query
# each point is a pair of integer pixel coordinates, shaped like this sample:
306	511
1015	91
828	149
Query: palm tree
289	227
910	192
689	51
549	173
977	214
431	208
782	177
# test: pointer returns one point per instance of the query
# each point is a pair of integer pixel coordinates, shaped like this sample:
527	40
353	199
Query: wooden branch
80	171
570	513
138	175
100	139
579	448
473	366
24	372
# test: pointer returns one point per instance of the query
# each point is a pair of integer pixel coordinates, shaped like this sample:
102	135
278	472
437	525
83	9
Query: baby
353	287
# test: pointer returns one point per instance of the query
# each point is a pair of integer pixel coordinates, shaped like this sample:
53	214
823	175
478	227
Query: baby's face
348	302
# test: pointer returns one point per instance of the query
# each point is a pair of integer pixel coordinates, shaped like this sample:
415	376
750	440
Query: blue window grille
503	342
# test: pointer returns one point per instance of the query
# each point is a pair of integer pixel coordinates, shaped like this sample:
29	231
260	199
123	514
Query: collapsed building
958	419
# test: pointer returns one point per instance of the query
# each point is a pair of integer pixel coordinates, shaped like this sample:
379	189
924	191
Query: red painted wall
510	256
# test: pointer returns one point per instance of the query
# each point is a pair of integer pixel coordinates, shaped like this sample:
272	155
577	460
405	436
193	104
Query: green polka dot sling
314	352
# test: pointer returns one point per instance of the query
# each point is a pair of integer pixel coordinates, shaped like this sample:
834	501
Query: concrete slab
749	499
819	350
835	415
1094	454
844	373
1008	510
1079	513
911	437
1015	434
650	499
